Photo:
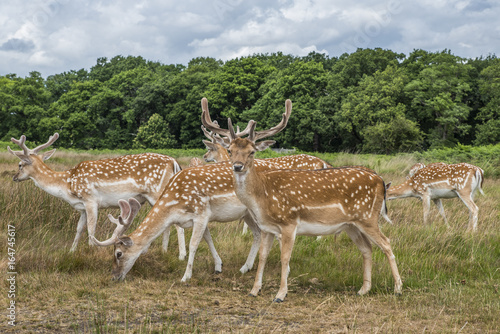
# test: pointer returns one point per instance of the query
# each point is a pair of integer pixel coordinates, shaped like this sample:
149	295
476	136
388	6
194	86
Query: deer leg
378	238
79	229
199	227
166	239
473	209
255	244
91	212
287	241
365	247
266	242
217	260
182	242
426	202
439	205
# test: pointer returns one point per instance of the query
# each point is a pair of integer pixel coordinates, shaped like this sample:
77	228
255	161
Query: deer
195	162
217	153
440	181
92	185
288	203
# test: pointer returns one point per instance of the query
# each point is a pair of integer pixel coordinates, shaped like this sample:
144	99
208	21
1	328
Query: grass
451	277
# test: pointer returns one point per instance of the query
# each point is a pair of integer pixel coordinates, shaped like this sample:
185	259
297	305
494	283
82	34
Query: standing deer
293	202
217	153
99	184
439	180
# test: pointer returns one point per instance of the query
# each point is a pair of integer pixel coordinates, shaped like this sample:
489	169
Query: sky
56	36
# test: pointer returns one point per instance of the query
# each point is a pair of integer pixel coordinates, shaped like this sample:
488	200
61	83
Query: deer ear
209	145
48	154
388	185
24	158
126	241
261	146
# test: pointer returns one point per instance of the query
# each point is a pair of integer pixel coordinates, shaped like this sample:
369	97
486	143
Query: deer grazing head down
30	160
123	262
287	203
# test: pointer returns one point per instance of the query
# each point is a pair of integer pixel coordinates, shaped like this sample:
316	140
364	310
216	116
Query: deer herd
277	198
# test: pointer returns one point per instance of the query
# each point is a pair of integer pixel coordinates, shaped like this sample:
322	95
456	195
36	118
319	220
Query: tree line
372	100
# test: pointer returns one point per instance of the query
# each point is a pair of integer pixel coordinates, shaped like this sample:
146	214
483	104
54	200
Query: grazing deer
439	180
316	202
99	184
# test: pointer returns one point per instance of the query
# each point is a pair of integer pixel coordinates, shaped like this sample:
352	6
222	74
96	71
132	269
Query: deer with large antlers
439	180
99	184
317	202
216	152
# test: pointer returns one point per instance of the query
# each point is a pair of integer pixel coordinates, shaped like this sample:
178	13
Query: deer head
30	160
123	244
242	150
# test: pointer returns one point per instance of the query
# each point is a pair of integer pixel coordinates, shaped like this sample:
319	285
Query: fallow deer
195	162
99	184
193	198
439	180
316	202
217	153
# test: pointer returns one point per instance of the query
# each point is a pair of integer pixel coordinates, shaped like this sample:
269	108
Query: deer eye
229	152
252	153
119	255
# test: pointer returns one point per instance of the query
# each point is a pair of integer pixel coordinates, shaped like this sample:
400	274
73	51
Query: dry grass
451	278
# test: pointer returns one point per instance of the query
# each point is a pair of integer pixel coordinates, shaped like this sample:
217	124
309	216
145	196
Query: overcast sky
54	36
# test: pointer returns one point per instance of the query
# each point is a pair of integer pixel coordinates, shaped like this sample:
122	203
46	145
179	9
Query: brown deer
193	198
99	184
439	180
295	202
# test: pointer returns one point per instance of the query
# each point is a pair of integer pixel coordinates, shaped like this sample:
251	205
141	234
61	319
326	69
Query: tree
488	131
154	134
438	99
304	84
374	106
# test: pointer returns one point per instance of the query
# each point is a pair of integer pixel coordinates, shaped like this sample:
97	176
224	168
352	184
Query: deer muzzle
238	166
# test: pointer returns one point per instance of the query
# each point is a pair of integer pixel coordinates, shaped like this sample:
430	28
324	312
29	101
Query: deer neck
52	182
403	190
249	186
158	219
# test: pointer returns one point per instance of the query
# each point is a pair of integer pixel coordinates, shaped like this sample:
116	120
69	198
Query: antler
26	151
214	126
128	210
256	135
250	129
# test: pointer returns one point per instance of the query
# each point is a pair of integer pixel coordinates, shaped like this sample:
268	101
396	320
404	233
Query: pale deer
439	180
99	184
195	162
316	202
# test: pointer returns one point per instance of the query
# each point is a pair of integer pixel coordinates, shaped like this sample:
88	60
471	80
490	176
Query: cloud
17	45
54	36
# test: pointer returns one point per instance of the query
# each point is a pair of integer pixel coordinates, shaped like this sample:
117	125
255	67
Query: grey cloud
19	45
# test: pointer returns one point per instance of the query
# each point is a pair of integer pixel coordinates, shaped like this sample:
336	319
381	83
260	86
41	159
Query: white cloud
54	36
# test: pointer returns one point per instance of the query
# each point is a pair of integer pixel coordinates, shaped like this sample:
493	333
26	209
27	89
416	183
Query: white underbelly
442	193
307	228
226	208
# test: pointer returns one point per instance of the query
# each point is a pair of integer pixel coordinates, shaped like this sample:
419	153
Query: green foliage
425	100
154	134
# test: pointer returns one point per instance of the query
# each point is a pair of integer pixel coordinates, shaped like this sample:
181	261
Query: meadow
451	277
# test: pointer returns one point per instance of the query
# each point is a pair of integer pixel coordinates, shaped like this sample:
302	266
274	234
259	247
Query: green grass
451	277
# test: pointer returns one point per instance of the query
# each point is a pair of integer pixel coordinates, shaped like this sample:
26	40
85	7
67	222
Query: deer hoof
278	300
